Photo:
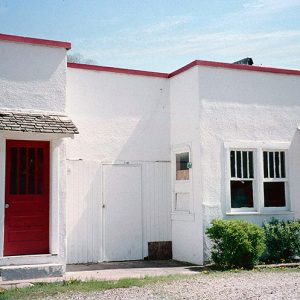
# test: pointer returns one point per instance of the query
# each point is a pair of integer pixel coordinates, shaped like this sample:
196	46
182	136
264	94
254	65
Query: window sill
266	213
181	216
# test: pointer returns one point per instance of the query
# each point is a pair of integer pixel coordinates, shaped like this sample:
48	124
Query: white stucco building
97	162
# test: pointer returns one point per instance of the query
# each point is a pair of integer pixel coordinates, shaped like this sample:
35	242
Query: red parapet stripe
34	41
183	69
117	70
215	64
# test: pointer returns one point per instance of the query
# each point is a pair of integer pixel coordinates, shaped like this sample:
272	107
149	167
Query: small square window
182	170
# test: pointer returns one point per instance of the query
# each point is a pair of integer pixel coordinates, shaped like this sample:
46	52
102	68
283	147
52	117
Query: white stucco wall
32	77
119	116
187	229
247	109
215	107
122	119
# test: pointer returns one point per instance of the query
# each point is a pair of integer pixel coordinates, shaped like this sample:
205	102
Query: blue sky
163	35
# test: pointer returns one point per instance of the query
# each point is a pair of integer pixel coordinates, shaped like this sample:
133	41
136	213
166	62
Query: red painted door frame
26	224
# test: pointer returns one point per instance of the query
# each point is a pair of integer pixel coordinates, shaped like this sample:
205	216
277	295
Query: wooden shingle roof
35	122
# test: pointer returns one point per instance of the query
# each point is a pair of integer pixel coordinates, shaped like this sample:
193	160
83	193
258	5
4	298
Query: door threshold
30	259
29	255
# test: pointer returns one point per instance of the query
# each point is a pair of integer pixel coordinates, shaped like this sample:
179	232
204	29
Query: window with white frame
241	179
258	179
274	182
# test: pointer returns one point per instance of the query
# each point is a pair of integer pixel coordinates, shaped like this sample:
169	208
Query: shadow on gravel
129	265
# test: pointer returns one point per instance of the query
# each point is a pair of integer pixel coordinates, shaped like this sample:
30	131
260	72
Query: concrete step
22	272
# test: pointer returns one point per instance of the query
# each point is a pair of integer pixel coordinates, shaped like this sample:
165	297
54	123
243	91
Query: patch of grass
41	290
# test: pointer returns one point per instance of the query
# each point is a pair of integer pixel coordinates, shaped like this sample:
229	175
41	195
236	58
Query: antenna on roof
245	61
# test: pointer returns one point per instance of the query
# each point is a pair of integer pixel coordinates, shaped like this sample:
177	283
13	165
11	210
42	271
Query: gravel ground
243	285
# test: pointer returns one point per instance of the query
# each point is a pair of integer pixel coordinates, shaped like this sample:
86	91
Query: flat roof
34	41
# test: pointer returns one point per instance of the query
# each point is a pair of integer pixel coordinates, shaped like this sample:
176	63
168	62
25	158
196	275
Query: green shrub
236	244
282	240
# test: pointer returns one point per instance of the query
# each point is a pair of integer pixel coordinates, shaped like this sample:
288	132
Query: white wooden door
122	212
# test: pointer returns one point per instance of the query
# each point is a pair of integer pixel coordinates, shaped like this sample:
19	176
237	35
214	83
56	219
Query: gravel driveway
242	285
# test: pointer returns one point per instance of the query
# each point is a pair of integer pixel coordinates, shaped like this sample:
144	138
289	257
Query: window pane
245	164
274	193
277	164
241	194
239	164
23	170
251	172
40	174
266	171
282	160
232	163
13	170
271	164
181	161
31	170
182	171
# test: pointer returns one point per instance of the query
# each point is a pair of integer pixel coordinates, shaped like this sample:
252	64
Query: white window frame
285	180
182	186
254	180
258	168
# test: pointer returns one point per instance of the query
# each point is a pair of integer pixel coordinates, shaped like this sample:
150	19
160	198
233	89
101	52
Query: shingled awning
34	122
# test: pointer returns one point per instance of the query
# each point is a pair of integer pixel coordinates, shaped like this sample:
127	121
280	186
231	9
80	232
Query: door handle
103	205
6	205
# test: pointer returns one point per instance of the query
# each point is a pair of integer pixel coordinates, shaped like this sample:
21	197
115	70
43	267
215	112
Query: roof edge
34	41
117	70
204	63
214	64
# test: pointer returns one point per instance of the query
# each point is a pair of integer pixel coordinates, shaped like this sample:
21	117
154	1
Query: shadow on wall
149	137
130	138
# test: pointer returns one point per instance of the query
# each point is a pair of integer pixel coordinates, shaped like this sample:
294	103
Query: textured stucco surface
223	106
121	116
246	107
32	77
33	81
184	107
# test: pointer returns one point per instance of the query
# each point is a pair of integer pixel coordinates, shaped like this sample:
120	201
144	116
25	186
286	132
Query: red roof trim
117	70
234	66
34	41
185	68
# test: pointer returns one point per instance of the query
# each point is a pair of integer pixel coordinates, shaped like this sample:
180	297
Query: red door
26	229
